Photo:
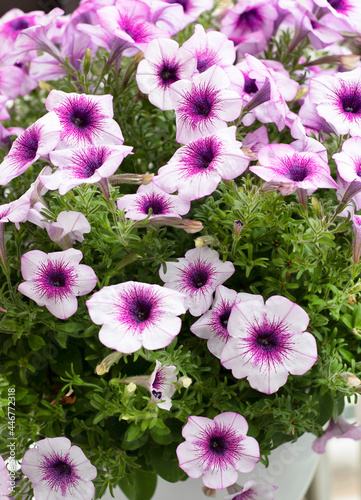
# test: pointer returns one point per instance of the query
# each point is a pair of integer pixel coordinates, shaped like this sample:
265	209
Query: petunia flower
35	142
55	280
84	119
305	170
164	63
68	228
253	489
348	162
197	276
58	470
204	104
152	197
267	342
338	100
5	479
167	16
213	324
217	449
195	170
135	315
83	165
339	429
192	9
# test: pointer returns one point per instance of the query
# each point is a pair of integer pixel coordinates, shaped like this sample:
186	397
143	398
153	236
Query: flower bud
188	225
350	379
237	226
107	362
87	62
131	179
45	86
300	94
184	382
317	207
209	492
130	389
204	241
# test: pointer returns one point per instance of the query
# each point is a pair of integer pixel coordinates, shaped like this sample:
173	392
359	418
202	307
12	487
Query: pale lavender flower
253	489
164	63
339	429
55	280
305	170
256	140
68	228
338	100
15	211
167	16
4	480
35	142
84	119
192	9
137	206
311	120
58	470
267	342
197	276
356	246
349	160
83	165
204	104
342	15
196	169
135	315
217	449
213	324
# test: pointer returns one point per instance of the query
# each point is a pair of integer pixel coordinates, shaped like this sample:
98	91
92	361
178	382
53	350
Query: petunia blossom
339	429
348	161
267	342
196	169
338	100
192	9
57	470
83	165
197	276
5	480
253	489
162	204
84	119
217	449
204	104
55	280
303	169
68	228
35	142
135	315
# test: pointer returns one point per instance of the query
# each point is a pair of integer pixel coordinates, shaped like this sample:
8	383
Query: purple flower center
351	103
168	73
250	86
224	317
205	60
157	394
184	3
251	18
19	24
267	340
91	166
27	145
297	172
136	30
198	278
140	309
56	278
61	469
201	105
218	445
80	117
336	4
156	203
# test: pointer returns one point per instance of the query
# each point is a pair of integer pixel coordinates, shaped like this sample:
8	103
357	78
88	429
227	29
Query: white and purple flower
196	169
267	342
4	480
339	429
197	276
55	280
58	470
204	104
148	197
217	449
253	489
135	315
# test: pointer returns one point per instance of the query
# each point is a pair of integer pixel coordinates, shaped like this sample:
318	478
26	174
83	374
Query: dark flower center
157	394
20	24
91	166
198	278
155	204
251	18
250	86
184	3
358	172
168	74
297	172
61	469
30	146
205	155
56	278
140	310
336	4
202	106
218	445
351	103
205	62
224	317
268	340
80	118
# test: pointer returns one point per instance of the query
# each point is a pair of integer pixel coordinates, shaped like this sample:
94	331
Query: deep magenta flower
35	142
306	170
217	449
135	315
84	119
148	197
339	429
213	324
58	470
4	480
55	280
338	100
196	169
197	276
267	342
83	165
204	104
164	63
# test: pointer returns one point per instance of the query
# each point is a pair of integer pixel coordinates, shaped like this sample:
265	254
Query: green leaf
36	342
165	466
161	436
139	486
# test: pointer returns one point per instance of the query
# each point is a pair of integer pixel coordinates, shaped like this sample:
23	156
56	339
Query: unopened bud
188	225
185	382
237	226
285	188
347	61
350	379
130	389
317	207
108	362
87	61
300	94
130	179
45	86
249	153
209	492
203	241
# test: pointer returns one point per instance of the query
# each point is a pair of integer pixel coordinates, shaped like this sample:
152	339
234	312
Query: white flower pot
291	468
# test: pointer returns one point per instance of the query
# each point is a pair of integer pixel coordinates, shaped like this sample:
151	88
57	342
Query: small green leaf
36	342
